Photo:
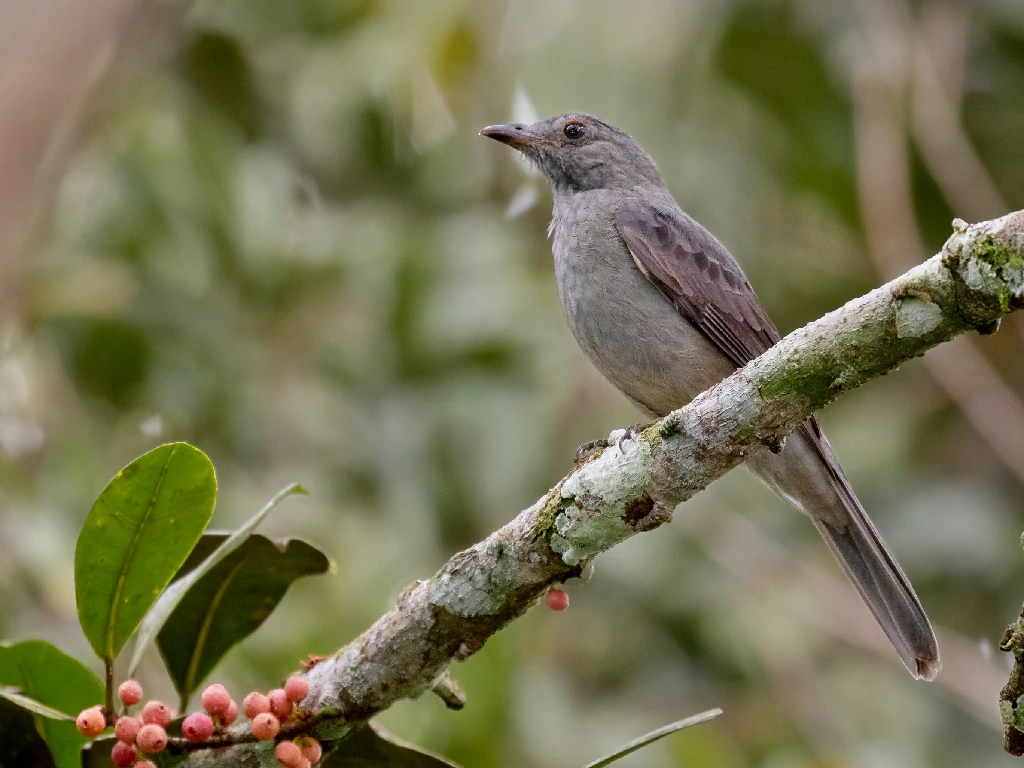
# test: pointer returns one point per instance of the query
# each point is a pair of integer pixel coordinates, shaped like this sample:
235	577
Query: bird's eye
573	130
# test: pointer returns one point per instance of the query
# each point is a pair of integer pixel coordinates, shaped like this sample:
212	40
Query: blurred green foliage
285	244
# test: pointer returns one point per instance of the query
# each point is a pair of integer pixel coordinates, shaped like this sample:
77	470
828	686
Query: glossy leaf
652	737
171	597
15	696
137	535
371	746
50	677
230	602
265	754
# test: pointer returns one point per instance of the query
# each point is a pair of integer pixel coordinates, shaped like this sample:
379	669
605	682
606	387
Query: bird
665	312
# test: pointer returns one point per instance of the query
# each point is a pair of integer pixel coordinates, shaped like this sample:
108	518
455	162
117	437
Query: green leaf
265	754
371	746
653	736
333	730
137	535
15	696
52	678
230	602
171	596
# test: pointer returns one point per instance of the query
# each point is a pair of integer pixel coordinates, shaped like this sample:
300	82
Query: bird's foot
585	451
633	432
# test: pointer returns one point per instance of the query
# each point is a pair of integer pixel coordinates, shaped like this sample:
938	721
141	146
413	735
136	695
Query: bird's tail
886	591
826	496
879	579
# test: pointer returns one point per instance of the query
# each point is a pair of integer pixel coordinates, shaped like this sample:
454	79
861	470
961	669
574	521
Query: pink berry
145	764
280	705
265	726
152	738
255	703
156	713
123	754
127	729
557	599
296	689
230	714
216	699
91	722
197	727
311	749
130	693
288	754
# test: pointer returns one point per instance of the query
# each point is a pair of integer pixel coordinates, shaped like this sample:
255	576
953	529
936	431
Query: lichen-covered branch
978	277
1011	697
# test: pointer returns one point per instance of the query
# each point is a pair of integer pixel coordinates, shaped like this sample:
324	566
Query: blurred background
270	229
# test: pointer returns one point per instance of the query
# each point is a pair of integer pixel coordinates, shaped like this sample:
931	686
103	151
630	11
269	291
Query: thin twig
653	736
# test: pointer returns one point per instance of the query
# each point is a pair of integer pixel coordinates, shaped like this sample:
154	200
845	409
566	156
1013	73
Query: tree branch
978	277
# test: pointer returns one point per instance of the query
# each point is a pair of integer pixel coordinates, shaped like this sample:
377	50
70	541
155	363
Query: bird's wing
697	274
701	278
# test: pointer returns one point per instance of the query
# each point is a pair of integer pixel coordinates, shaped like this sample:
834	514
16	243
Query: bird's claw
584	451
633	432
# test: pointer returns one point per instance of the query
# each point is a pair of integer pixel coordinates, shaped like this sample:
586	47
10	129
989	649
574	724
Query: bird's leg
633	432
584	452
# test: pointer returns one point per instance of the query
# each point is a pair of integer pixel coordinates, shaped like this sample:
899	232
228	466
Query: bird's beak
516	135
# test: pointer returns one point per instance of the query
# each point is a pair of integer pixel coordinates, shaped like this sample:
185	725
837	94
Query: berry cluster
268	711
148	735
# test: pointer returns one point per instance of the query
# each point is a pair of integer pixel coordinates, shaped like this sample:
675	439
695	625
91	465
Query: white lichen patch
582	530
615	436
1014	280
916	317
981	277
473	591
1012	713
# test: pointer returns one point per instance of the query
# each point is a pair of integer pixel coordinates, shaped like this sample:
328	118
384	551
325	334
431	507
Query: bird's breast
628	328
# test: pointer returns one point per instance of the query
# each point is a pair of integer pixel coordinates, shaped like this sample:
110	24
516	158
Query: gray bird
665	312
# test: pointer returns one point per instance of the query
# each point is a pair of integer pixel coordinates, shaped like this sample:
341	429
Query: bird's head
579	152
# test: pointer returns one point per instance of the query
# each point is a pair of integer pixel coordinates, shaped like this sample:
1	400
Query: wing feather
701	278
696	272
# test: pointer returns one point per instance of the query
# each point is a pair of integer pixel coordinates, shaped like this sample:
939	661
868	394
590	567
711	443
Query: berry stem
177	745
109	712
